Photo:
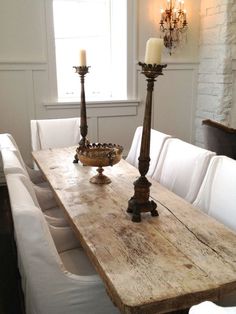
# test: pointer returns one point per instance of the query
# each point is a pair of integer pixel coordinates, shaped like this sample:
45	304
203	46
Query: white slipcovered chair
157	141
134	151
13	163
54	133
56	229
8	142
182	167
208	307
217	195
217	198
54	281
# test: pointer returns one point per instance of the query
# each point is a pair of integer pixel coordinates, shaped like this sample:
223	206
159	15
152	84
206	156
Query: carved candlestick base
140	201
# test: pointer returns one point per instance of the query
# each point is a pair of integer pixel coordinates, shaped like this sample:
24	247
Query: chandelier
173	24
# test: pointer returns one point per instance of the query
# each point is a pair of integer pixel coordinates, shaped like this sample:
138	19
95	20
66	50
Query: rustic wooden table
162	264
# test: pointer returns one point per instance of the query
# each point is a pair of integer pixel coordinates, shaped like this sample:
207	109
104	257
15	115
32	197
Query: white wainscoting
17	101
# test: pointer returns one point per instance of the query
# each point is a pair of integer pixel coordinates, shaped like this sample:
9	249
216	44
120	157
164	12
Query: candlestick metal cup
82	71
140	202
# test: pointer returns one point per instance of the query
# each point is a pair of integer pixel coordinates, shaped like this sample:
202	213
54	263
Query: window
100	27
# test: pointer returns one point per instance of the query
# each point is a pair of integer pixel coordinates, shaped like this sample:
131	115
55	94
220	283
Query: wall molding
12	65
100	108
176	66
182	66
8	65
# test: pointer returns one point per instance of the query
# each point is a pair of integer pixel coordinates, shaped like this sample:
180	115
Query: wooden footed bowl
100	155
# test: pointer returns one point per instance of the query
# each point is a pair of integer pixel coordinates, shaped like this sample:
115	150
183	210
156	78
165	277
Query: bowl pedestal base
100	178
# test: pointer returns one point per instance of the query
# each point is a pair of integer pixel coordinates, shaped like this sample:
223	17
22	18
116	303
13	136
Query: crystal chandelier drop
173	24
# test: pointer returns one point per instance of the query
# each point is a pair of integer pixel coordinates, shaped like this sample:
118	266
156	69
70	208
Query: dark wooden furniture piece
219	138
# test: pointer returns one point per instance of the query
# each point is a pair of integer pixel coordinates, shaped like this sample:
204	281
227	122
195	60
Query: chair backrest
24	195
133	154
182	167
157	141
208	307
217	195
13	162
54	133
219	138
7	141
3	138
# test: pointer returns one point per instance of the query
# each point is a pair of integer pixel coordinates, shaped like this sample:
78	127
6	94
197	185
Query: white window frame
131	55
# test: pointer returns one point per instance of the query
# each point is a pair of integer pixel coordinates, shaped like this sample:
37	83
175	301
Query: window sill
92	104
98	109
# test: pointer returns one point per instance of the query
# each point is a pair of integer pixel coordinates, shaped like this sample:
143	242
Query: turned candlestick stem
140	202
82	71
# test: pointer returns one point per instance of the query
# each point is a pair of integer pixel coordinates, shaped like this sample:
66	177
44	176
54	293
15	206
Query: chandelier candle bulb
153	53
162	14
175	14
185	15
82	57
169	4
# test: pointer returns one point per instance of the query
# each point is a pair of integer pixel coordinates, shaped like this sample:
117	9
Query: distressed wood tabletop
162	264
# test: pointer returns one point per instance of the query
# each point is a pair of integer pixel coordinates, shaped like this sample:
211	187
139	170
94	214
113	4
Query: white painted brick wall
217	48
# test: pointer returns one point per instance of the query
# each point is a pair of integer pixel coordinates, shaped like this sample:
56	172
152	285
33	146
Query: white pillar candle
82	57
154	48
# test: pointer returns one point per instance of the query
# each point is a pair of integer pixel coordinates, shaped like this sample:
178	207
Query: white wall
22	57
25	72
216	80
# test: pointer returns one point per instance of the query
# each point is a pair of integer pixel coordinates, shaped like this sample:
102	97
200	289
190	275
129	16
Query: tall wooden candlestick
140	201
82	71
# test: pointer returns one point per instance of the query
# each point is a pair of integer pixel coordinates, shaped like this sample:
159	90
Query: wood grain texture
162	264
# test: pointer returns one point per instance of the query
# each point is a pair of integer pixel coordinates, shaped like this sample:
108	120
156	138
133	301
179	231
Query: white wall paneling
22	31
174	101
17	101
